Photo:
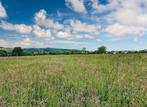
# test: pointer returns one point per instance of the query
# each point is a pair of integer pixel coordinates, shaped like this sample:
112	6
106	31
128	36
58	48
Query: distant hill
42	50
49	50
6	49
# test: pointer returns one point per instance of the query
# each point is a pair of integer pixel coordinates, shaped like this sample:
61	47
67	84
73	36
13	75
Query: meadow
74	81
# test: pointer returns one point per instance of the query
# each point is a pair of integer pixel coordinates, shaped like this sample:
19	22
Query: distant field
74	81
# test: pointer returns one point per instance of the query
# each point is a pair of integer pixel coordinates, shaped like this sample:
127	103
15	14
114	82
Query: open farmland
74	81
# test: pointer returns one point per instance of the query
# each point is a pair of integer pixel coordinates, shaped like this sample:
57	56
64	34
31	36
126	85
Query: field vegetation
74	81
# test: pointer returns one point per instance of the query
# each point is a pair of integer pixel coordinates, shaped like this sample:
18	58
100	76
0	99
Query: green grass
74	81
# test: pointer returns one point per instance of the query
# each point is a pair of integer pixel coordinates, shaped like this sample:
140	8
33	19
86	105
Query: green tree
83	50
17	51
102	49
3	53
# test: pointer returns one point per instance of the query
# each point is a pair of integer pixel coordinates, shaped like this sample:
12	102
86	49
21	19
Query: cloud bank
121	18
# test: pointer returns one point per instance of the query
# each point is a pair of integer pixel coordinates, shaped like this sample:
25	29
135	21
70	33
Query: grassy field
74	81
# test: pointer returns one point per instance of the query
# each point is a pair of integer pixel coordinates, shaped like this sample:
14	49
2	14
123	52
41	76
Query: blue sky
117	24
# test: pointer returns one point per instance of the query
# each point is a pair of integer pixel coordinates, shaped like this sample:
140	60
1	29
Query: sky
74	24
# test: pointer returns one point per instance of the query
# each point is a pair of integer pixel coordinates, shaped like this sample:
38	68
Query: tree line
18	51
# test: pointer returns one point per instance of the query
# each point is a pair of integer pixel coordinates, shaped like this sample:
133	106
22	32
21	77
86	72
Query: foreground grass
74	81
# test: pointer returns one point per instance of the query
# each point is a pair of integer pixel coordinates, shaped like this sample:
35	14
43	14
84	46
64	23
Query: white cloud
78	26
123	30
42	20
49	29
76	5
69	30
42	33
3	13
6	26
128	17
41	15
88	36
26	42
26	29
8	43
83	36
63	34
131	14
99	8
20	28
75	29
99	40
3	43
69	42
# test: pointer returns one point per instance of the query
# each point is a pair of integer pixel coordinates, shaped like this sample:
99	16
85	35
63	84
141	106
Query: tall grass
74	81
